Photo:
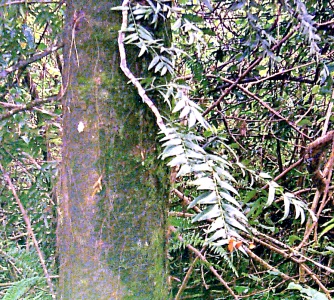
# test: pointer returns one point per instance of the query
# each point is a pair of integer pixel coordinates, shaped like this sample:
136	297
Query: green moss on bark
114	190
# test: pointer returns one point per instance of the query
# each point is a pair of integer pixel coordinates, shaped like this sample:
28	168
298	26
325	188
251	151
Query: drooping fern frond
217	197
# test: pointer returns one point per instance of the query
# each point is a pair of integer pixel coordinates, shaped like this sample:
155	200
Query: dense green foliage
249	86
29	140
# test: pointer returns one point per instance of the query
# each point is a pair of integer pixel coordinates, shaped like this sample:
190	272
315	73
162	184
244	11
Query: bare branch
186	278
29	106
293	257
287	170
265	264
30	60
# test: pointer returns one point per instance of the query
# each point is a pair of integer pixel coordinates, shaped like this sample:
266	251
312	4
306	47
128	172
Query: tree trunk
112	189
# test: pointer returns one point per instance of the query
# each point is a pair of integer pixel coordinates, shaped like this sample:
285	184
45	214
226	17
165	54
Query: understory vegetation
248	138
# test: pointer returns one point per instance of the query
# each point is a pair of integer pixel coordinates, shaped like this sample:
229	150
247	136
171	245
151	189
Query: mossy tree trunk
112	189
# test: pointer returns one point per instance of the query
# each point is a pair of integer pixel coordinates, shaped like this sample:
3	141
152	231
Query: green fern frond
20	288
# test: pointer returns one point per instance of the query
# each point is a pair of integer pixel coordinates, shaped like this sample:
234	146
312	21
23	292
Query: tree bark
113	190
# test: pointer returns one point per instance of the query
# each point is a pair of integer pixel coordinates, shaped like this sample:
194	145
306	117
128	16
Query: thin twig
29	106
29	229
186	279
273	288
317	280
292	256
11	260
297	163
30	60
13	238
281	72
294	251
180	214
202	257
266	265
249	69
264	104
230	133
